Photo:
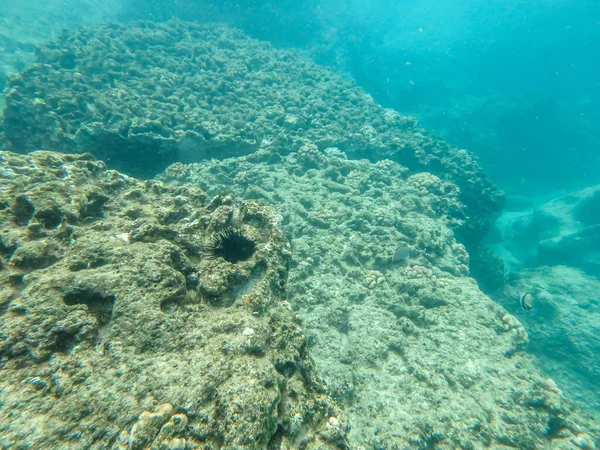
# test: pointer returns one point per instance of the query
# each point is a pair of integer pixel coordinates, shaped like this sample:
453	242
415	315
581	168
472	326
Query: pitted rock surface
110	335
418	355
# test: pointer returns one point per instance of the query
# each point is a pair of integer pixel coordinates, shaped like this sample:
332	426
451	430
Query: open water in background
515	82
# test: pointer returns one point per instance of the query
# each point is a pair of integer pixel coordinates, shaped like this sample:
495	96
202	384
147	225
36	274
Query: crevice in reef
99	305
22	210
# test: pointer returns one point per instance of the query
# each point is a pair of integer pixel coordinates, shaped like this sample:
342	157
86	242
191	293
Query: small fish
401	254
526	301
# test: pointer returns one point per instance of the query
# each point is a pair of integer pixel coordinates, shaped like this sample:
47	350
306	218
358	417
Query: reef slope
416	353
563	325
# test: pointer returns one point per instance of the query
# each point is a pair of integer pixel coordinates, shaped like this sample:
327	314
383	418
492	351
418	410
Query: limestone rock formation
562	231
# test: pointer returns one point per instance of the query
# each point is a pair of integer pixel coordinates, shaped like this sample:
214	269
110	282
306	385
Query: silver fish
526	301
401	254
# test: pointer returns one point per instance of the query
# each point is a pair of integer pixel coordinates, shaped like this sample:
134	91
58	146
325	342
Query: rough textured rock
118	330
563	326
562	231
144	95
416	353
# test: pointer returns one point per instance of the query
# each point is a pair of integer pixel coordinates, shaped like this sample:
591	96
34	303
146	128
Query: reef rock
562	231
418	356
118	330
143	95
563	326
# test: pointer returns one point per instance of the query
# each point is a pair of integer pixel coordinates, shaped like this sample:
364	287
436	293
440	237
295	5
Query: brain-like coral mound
143	95
119	331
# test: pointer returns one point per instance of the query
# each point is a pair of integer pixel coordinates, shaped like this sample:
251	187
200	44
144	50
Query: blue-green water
514	83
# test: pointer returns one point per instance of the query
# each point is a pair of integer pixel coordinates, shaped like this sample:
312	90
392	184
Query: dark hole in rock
49	217
94	205
99	261
555	426
7	248
22	210
133	213
17	310
169	305
255	350
232	245
140	157
93	167
286	368
63	341
99	305
61	172
15	279
432	302
36	230
68	60
220	301
275	441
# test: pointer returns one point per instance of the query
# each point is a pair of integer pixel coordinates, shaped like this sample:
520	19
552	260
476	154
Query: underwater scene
275	224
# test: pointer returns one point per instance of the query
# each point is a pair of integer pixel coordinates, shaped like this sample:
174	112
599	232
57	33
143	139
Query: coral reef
117	332
416	353
144	95
27	23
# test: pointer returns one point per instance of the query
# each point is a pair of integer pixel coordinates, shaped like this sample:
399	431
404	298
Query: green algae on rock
117	333
144	95
416	353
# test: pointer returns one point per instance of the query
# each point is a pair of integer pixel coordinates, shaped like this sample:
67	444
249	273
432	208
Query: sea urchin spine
232	245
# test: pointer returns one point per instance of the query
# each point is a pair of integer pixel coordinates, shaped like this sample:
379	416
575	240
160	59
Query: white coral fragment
123	237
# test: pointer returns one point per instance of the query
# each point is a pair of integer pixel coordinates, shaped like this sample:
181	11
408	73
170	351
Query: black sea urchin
232	245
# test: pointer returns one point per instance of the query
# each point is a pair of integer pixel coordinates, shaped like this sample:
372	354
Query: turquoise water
280	111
